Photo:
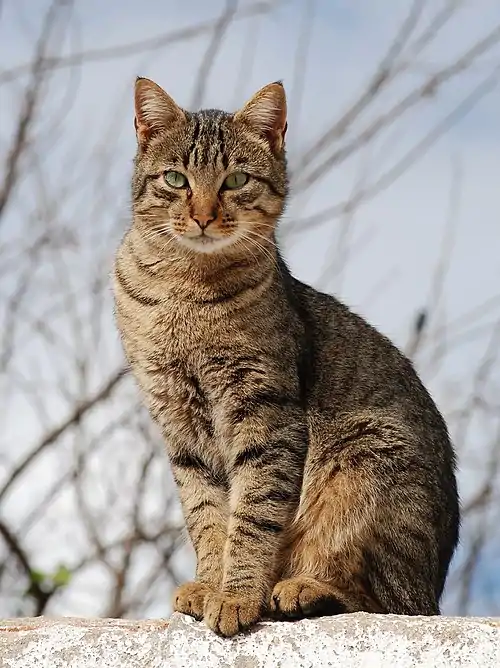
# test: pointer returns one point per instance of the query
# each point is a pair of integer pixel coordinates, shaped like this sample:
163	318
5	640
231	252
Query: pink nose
203	220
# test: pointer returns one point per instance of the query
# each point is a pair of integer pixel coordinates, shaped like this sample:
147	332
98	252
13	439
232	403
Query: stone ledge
346	641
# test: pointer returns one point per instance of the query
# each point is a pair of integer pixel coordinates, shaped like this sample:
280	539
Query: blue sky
396	237
348	38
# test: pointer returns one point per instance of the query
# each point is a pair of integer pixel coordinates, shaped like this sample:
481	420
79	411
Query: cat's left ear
265	113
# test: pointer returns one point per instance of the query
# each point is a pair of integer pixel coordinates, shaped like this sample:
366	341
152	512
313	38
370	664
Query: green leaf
61	577
37	577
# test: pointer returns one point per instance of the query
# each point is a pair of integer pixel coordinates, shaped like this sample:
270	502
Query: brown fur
315	472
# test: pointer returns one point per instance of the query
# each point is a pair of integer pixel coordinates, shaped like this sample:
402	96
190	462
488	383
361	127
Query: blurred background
394	152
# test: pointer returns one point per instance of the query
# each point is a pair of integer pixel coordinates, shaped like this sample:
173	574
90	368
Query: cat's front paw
190	597
228	613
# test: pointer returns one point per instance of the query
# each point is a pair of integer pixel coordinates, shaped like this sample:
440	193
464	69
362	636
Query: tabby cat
315	472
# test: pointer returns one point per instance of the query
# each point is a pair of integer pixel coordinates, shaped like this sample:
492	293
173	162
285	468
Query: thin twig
214	46
73	419
132	48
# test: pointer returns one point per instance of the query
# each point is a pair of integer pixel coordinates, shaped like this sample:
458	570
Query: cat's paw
303	597
227	613
189	598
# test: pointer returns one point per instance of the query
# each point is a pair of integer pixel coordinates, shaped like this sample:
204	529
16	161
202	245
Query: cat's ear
154	110
265	113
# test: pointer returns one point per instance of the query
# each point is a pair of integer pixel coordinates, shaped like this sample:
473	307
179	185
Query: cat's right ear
265	112
154	110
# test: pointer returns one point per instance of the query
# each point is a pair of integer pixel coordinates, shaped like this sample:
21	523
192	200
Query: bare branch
73	419
418	94
40	595
408	160
152	44
214	46
37	71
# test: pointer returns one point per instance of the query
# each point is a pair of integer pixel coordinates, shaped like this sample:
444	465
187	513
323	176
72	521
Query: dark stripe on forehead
191	153
207	146
198	141
209	136
222	148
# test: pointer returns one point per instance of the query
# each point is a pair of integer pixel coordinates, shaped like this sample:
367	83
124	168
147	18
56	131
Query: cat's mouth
203	243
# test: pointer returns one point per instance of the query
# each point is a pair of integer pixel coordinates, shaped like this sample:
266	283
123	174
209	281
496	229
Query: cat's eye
235	180
175	179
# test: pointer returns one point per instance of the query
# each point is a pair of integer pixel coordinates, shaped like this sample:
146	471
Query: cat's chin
206	245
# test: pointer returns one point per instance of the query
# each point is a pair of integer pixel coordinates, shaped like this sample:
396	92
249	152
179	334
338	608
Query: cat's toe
189	598
303	597
228	614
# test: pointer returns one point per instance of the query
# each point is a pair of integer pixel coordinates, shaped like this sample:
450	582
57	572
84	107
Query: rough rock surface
346	641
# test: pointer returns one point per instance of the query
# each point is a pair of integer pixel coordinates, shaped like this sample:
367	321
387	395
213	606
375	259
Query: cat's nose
203	220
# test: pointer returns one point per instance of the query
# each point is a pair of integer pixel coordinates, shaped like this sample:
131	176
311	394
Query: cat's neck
204	277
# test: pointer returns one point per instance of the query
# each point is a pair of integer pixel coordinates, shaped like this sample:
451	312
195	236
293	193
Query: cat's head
209	181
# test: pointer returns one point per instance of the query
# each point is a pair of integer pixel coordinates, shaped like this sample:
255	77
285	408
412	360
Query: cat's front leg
265	486
203	492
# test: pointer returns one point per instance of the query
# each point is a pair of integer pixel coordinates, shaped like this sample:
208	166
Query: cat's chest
178	333
182	363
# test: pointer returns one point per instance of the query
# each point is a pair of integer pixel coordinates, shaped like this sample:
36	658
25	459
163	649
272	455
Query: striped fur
315	472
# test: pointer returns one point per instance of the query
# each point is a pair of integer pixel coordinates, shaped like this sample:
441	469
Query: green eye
176	179
236	180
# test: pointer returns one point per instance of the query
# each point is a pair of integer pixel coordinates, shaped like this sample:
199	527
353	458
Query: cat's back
358	369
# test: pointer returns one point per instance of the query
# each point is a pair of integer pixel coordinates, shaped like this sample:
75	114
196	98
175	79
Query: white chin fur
208	246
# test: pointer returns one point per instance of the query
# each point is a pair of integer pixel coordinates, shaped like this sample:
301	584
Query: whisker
266	238
157	230
271	256
247	235
261	236
247	248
